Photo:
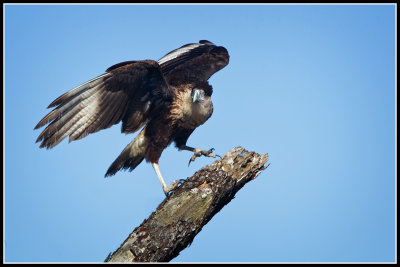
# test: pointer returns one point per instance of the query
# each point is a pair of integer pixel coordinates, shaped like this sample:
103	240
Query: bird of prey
168	99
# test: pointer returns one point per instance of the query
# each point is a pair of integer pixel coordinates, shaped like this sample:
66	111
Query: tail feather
132	155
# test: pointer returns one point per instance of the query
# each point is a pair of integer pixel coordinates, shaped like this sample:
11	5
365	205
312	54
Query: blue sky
312	85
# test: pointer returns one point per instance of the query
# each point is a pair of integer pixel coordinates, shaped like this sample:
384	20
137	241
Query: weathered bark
181	216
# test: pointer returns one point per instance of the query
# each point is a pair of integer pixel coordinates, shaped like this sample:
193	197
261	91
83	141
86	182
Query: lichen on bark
178	219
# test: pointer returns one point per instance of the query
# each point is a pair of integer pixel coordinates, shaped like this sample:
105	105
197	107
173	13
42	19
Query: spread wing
130	92
193	62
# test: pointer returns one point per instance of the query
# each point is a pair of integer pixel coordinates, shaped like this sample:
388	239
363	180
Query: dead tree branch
181	216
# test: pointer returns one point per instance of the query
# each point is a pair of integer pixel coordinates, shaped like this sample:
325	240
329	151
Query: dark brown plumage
170	98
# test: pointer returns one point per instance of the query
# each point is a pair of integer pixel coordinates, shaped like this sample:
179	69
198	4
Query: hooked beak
197	96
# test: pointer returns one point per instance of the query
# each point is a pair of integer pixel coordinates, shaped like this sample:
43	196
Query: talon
191	159
197	153
200	152
208	152
173	186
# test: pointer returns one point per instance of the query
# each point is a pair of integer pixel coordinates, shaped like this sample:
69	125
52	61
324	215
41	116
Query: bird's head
198	95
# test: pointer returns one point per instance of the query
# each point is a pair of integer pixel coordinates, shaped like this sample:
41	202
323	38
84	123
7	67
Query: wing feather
126	90
78	90
97	112
103	117
193	62
64	120
132	92
68	105
65	126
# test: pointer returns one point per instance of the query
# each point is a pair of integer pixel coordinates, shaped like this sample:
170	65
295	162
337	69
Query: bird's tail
131	156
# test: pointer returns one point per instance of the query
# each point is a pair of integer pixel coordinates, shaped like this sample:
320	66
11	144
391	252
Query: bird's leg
166	189
198	152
